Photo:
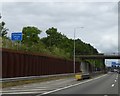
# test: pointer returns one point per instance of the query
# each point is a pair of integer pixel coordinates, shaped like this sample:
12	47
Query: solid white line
13	88
23	90
117	76
31	87
21	93
105	95
27	87
71	85
55	80
59	79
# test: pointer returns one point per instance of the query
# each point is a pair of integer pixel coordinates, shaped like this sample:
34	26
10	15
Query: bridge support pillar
104	67
84	67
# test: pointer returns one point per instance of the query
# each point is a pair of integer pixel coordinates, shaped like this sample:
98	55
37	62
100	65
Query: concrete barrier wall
21	64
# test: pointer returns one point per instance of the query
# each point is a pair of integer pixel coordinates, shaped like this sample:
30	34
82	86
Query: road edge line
70	86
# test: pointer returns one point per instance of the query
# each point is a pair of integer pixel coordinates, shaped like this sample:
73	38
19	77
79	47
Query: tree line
55	43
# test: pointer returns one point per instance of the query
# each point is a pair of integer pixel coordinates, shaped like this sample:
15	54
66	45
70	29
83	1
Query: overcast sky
99	19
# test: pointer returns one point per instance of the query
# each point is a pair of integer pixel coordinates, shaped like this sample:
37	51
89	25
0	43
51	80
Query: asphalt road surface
107	85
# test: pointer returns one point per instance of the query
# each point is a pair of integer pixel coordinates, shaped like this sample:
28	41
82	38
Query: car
118	71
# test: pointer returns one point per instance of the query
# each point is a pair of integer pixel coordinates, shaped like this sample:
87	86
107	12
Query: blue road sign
113	63
16	36
118	64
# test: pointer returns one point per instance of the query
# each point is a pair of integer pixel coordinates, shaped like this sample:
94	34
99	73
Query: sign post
16	37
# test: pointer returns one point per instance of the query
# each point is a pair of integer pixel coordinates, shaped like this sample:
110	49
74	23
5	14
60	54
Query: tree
60	41
3	29
54	37
30	35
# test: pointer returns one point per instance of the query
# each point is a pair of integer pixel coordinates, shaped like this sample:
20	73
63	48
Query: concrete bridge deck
98	56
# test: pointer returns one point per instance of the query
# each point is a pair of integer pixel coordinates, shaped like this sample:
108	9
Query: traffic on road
104	85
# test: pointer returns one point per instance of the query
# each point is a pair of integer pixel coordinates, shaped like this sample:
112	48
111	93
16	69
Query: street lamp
74	46
0	16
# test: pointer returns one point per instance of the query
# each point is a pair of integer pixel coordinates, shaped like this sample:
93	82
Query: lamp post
0	16
74	46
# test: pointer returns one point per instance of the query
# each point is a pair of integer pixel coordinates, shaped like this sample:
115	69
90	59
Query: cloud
100	20
59	1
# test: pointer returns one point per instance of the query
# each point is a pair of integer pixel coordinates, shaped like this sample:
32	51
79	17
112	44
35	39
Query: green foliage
53	37
83	48
0	42
3	29
61	42
60	52
58	43
55	43
30	35
96	62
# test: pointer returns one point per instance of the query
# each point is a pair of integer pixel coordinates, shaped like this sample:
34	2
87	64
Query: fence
21	64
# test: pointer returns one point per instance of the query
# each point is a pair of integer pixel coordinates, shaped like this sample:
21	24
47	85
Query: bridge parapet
98	56
112	53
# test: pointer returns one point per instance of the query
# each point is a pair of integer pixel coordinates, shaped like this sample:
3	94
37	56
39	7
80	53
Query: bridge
101	56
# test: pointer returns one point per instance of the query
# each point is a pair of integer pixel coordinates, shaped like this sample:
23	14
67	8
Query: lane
39	87
105	85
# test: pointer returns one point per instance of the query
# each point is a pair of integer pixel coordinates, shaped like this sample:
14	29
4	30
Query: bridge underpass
98	56
102	57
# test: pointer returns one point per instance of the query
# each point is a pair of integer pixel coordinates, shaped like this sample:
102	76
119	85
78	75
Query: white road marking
49	81
71	85
13	88
55	80
23	90
31	87
113	85
115	80
41	87
59	79
22	93
117	76
105	95
44	90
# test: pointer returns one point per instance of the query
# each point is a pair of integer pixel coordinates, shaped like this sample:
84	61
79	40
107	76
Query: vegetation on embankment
55	43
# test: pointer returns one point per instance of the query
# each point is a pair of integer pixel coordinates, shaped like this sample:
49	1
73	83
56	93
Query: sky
98	19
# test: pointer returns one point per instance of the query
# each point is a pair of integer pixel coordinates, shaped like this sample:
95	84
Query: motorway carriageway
106	85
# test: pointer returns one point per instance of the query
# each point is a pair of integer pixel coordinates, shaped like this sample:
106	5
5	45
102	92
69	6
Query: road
105	84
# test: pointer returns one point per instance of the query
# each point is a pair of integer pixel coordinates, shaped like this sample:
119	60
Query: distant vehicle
118	71
115	70
86	76
112	70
